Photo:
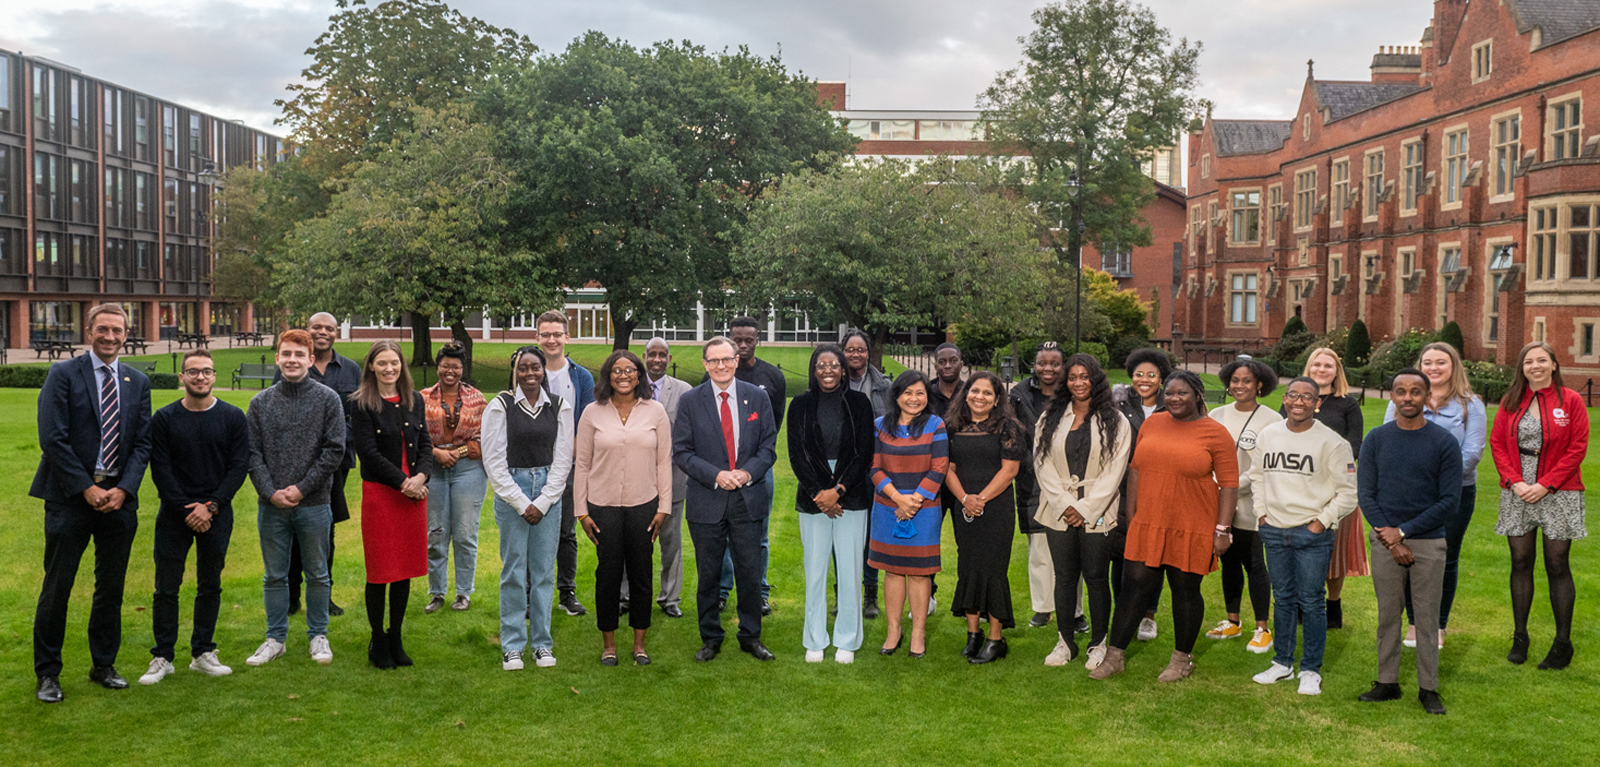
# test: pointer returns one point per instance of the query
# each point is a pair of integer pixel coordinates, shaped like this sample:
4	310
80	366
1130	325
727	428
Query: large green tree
255	211
415	232
636	167
1100	86
887	245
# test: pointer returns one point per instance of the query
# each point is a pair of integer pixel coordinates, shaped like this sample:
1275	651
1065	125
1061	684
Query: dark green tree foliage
1358	345
636	168
1451	334
1294	327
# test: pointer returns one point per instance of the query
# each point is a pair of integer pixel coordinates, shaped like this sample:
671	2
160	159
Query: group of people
1120	490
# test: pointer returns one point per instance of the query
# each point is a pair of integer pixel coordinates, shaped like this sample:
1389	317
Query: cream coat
1102	480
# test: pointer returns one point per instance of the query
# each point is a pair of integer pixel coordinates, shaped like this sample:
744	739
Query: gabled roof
1343	98
1557	20
1397	60
1236	137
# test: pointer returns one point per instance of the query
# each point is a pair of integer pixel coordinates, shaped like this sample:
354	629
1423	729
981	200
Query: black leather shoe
758	650
893	650
992	650
1335	614
1519	648
622	608
766	606
397	649
1040	620
49	690
1430	701
378	651
107	677
334	610
1559	658
1080	625
1381	691
974	642
870	609
722	605
294	603
708	651
672	611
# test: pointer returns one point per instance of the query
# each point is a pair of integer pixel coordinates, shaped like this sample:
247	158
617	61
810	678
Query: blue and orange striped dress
904	462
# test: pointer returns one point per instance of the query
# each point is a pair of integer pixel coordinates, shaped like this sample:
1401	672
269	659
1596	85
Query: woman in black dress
987	447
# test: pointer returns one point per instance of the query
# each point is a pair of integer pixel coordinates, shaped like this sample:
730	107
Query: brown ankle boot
1111	666
1181	665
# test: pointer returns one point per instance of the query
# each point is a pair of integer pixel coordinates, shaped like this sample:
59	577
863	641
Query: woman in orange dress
1183	485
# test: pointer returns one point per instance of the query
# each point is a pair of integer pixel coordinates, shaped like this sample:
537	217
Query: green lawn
456	707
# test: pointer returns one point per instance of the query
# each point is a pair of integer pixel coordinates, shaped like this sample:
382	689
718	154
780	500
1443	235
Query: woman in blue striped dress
909	459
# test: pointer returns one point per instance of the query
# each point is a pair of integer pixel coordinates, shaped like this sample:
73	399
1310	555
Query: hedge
23	376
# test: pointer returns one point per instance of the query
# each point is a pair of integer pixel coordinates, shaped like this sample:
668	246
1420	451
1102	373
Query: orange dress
1181	465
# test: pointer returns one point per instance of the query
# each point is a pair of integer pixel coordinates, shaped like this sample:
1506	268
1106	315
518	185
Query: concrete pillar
204	320
19	324
152	321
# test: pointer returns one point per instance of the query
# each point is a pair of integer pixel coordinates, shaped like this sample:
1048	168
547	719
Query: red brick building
1460	182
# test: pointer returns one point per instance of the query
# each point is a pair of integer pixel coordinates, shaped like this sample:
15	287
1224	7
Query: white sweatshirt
1301	477
1245	428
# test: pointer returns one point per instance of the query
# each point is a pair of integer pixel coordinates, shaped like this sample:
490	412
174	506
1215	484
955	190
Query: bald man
343	375
666	390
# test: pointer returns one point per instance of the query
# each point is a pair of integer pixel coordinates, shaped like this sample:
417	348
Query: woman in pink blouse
622	493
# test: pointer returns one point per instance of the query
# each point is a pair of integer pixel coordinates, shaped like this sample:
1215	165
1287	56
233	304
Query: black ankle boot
992	650
1519	648
1335	614
1560	656
398	650
869	604
974	642
378	651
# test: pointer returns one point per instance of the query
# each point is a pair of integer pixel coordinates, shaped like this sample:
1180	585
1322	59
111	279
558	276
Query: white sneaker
320	651
1097	655
1147	629
933	604
814	656
1310	683
269	650
207	663
1061	655
511	661
1277	672
544	658
1411	637
159	669
844	656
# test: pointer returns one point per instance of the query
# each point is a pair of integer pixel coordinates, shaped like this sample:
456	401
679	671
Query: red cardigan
1566	439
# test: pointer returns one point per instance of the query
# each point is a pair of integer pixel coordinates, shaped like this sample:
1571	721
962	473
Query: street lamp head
208	173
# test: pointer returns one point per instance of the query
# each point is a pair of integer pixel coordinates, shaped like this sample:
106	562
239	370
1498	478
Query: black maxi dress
983	543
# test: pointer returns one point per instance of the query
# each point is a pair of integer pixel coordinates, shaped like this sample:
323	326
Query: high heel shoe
974	642
895	648
378	651
915	654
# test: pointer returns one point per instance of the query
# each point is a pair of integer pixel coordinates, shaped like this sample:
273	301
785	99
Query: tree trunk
459	333
880	339
421	341
621	329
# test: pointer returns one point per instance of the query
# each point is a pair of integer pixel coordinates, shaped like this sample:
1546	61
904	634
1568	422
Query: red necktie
727	430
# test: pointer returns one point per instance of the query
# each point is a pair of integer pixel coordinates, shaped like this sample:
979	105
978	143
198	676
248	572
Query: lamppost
1075	183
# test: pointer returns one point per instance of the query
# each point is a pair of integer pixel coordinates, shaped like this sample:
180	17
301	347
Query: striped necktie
110	427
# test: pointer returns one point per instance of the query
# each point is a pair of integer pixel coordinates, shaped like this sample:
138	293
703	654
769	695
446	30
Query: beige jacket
1101	483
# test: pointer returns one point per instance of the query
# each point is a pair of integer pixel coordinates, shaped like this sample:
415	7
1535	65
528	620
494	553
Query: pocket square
751	418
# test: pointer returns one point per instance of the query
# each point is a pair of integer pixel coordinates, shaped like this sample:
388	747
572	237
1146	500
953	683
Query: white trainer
1310	683
544	658
207	663
1097	655
933	604
511	661
1147	629
844	656
159	669
1277	672
1061	655
269	650
814	656
320	651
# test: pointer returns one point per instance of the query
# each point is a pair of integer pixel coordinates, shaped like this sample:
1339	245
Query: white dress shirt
494	453
116	393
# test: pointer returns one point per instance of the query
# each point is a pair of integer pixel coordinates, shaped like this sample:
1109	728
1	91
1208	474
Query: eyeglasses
1151	376
552	336
827	367
720	362
1292	397
200	372
624	372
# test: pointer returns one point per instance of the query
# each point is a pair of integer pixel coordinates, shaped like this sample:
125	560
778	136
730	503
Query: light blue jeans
279	529
528	567
455	500
822	539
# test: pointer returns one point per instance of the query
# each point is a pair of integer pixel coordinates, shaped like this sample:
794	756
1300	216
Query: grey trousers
1389	580
671	541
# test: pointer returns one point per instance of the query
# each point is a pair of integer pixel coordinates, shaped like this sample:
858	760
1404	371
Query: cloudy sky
233	58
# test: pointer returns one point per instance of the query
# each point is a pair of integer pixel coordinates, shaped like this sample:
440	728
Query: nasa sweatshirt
1297	478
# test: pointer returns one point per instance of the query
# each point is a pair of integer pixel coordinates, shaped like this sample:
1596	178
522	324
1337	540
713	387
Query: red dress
1181	464
394	531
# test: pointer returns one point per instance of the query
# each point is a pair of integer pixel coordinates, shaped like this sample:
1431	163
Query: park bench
199	340
135	346
247	337
250	371
53	348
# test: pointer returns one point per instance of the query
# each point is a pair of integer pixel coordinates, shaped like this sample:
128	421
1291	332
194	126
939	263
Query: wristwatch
211	506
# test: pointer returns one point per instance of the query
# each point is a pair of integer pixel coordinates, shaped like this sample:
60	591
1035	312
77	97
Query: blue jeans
1455	532
280	529
528	567
455	500
766	555
1297	562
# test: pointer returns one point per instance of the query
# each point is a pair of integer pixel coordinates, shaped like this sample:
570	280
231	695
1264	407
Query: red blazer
1566	439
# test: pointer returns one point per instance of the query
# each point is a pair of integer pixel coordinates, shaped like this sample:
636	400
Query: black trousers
739	532
567	547
174	537
1143	582
1246	557
69	527
1074	554
624	549
341	512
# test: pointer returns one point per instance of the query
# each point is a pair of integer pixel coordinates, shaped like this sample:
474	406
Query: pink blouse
623	464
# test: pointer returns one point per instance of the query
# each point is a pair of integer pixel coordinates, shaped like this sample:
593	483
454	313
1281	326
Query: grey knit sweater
296	438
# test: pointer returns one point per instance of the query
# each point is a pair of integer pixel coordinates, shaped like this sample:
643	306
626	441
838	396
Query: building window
1566	121
1408	262
141	128
1117	261
1455	165
169	134
1492	321
1274	209
1507	143
1586	339
1205	166
54	321
1341	189
1538	329
1482	60
5	92
1305	197
947	130
1544	243
1374	188
868	130
1412	172
1196	226
1242	299
44	105
1581	230
1335	267
1305	127
5	178
1450	261
46	189
1246	216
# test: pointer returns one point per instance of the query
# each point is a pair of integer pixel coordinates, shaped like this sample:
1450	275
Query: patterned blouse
458	423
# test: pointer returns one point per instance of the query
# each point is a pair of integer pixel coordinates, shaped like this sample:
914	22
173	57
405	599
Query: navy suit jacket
699	450
69	431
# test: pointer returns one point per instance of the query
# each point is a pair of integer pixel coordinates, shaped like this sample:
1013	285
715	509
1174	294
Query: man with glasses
725	441
199	454
574	384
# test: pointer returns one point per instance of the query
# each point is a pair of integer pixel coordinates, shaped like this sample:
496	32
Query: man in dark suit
94	429
724	440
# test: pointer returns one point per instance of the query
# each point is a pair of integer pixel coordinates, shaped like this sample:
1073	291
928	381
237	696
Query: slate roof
1236	137
1343	99
1397	60
1558	20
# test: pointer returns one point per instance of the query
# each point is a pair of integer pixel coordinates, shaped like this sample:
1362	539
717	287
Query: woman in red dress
389	432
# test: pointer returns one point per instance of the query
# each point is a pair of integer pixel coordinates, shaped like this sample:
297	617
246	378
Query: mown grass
456	707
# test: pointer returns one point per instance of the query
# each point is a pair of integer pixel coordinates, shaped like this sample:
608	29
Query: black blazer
380	436
810	463
69	431
698	449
